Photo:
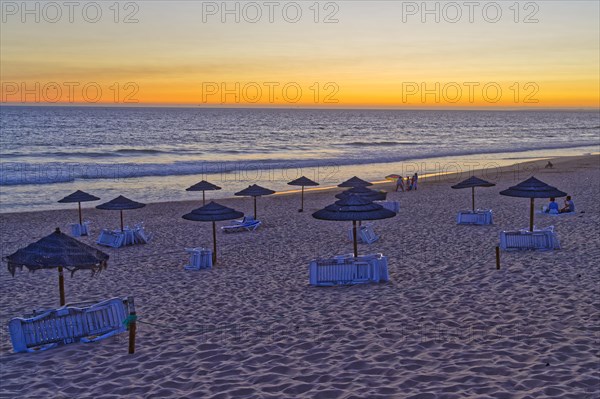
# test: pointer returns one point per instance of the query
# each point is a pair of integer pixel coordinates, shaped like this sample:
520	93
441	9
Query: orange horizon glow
408	95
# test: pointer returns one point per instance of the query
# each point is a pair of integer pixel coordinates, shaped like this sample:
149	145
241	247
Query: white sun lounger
137	235
140	236
393	206
329	272
246	224
110	238
544	240
78	230
365	234
200	258
68	324
128	236
479	217
347	270
118	238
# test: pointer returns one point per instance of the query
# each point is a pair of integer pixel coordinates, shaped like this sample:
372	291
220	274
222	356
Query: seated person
569	205
552	206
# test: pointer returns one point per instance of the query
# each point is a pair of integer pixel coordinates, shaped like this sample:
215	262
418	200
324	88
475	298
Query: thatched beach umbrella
254	191
120	204
363	192
355	182
79	197
532	188
213	212
304	182
58	250
471	183
353	208
203	186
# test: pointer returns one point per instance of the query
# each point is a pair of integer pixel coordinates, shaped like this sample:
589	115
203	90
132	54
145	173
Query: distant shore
172	188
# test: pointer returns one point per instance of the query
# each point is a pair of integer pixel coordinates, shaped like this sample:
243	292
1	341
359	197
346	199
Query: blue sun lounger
543	240
71	323
78	230
108	238
347	270
365	234
118	238
479	217
393	206
200	258
248	223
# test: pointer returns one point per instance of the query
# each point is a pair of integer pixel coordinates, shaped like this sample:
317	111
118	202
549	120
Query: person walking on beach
414	181
400	184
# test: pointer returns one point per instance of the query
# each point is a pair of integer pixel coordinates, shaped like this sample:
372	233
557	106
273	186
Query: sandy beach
447	325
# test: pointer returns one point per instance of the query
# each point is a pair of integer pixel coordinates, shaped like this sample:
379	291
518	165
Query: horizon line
282	107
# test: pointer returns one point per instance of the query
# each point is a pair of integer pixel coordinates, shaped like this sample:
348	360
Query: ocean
153	154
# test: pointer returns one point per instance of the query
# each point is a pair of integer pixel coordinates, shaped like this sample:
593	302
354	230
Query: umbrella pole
214	256
302	200
473	197
531	216
80	219
122	229
354	239
203	197
254	208
61	286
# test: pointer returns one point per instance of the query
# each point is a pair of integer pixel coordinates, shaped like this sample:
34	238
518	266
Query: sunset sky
377	54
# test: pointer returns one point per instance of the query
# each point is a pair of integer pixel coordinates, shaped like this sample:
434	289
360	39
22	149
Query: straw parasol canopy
79	197
304	182
121	203
355	182
532	188
362	192
213	212
254	191
353	208
203	186
471	183
58	250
